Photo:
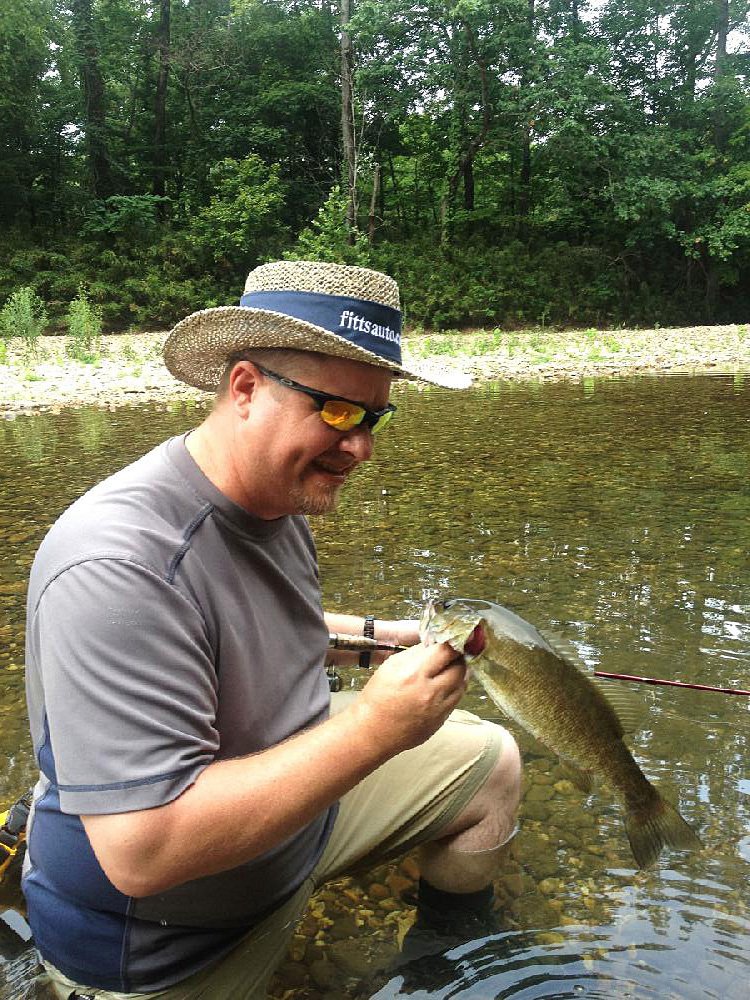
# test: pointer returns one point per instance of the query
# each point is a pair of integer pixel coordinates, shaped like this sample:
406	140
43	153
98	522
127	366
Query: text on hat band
370	325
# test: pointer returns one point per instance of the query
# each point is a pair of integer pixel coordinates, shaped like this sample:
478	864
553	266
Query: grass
131	363
620	348
129	352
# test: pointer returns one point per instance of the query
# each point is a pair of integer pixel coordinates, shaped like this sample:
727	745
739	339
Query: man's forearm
399	632
236	809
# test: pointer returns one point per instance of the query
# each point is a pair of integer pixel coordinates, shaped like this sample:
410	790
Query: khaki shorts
405	802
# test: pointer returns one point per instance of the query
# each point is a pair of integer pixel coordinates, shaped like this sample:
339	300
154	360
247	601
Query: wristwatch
369	633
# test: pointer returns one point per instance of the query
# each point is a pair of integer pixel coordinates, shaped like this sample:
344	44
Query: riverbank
127	369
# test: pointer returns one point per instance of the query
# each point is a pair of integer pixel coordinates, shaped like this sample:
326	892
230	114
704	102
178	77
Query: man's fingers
441	656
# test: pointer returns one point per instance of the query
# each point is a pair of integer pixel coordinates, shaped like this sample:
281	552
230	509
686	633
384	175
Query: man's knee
489	818
500	795
505	777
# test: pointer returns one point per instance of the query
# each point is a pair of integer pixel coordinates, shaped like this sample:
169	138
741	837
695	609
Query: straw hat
348	312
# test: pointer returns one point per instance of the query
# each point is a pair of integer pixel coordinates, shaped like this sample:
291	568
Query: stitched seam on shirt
179	555
218	513
125	953
118	785
113	557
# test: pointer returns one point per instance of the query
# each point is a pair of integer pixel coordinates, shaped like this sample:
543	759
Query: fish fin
629	708
565	650
657	824
583	779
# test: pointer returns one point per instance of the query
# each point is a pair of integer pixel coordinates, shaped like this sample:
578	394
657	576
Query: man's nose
358	442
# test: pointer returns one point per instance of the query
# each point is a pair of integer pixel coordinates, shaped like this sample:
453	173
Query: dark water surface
614	511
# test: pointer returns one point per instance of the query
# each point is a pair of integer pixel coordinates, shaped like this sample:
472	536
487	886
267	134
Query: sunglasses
341	414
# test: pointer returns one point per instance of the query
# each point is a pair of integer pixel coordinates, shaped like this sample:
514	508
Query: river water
614	511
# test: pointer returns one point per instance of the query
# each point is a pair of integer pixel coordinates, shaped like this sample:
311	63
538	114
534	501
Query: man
194	789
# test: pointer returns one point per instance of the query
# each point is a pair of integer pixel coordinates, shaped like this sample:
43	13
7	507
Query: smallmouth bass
540	686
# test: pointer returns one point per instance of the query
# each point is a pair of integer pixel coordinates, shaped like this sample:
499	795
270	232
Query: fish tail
656	824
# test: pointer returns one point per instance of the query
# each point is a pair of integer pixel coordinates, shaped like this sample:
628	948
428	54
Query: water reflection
614	511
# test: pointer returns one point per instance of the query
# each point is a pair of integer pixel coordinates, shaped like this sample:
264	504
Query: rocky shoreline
128	369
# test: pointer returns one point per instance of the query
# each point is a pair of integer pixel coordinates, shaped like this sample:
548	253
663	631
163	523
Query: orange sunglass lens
342	415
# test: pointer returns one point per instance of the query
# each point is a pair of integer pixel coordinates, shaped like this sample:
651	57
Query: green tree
242	221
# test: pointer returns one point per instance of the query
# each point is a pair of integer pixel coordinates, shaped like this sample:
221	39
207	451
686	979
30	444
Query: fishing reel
353	643
334	679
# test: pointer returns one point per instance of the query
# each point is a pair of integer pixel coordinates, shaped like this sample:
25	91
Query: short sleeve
130	688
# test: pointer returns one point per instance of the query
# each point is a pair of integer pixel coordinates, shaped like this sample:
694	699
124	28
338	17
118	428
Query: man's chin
313	502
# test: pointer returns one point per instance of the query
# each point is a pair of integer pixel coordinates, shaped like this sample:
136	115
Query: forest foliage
511	162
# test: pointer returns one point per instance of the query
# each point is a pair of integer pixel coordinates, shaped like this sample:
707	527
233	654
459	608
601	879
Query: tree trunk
347	120
524	190
160	103
722	30
94	100
575	18
524	193
465	166
722	129
468	172
374	203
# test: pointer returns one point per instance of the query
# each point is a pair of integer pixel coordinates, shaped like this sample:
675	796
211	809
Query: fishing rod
360	643
665	683
357	643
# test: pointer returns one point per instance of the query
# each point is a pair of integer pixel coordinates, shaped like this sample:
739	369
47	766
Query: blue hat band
375	327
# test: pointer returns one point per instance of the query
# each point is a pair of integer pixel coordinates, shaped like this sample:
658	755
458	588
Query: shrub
84	329
242	223
327	236
24	315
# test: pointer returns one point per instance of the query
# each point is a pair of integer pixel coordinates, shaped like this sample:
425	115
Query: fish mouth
455	622
476	642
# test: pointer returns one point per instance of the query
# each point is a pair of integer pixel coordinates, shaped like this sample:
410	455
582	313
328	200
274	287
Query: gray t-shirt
167	628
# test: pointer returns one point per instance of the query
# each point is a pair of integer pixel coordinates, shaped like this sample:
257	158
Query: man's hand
411	695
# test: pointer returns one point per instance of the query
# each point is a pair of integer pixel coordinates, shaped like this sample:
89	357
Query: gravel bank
129	368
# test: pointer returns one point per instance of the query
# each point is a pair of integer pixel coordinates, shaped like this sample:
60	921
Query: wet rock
314	952
324	974
536	811
539	793
355	960
533	843
585	821
549	886
545	868
344	926
308	926
399	884
298	948
533	911
292	974
410	868
569	838
565	787
512	885
390	905
537	777
550	937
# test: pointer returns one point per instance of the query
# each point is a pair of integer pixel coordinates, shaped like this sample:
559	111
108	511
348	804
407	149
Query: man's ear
243	382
